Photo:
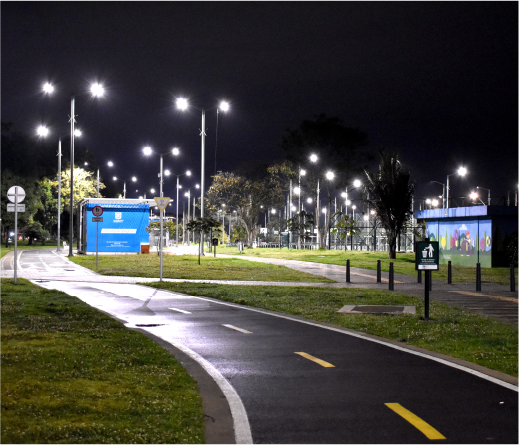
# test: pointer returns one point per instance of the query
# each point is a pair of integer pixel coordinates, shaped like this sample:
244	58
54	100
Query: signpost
427	257
162	202
97	211
16	194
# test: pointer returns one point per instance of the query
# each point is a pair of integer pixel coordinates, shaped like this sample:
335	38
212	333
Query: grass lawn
187	267
404	263
450	331
71	374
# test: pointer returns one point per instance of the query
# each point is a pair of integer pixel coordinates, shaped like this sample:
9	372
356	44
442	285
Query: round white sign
97	211
16	194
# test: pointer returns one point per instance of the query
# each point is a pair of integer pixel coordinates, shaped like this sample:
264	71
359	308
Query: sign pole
427	286
161	218
97	243
15	236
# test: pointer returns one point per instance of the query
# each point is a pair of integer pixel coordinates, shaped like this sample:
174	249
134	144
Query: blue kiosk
471	235
123	226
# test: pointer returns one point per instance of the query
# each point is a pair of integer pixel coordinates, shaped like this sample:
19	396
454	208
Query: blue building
468	235
122	230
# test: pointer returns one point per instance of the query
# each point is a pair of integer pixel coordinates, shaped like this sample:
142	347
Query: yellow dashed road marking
315	359
414	420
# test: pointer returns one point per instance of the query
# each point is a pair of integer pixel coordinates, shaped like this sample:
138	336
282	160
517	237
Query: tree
338	148
246	196
85	186
345	227
390	193
300	224
47	209
203	225
35	231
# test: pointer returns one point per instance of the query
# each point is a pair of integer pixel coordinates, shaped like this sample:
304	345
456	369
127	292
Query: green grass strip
187	267
404	263
451	331
71	374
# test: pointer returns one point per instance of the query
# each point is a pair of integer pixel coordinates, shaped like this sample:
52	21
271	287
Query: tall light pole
224	106
44	132
488	190
96	90
443	193
183	104
314	158
148	151
330	176
188	173
462	171
134	179
110	164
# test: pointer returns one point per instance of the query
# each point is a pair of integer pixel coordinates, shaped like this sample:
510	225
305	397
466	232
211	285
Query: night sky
435	80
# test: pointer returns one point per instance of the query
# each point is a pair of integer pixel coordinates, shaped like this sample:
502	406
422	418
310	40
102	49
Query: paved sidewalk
494	300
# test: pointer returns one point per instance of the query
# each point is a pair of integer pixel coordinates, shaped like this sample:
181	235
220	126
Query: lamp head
48	88
97	90
224	105
462	171
175	151
147	151
182	104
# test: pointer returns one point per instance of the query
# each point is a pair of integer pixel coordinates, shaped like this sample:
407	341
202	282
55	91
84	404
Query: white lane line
242	431
178	310
381	342
230	326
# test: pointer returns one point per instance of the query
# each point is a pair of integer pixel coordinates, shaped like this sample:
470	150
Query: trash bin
145	247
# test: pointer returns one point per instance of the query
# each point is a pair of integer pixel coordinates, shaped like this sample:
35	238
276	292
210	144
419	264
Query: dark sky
436	80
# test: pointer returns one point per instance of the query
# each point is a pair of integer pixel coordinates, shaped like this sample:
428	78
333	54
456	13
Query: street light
134	179
148	151
224	106
43	132
462	171
188	173
488	190
183	105
96	90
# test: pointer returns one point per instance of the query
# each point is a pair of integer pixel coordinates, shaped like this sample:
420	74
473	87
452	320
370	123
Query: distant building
468	235
122	230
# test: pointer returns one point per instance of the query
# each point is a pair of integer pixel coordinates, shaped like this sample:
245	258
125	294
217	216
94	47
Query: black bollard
347	271
512	278
449	273
419	279
379	272
391	277
478	277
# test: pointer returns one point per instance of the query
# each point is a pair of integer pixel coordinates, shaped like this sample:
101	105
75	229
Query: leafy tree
85	186
203	225
345	227
35	231
338	147
246	196
167	224
301	224
47	209
390	193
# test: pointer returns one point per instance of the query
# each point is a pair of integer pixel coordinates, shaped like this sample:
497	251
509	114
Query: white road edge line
230	326
390	345
178	310
242	431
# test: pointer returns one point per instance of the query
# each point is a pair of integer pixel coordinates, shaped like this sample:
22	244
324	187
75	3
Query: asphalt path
293	381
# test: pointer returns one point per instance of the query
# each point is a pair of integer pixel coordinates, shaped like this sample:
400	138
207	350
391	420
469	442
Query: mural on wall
464	242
